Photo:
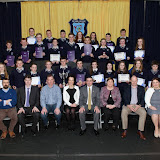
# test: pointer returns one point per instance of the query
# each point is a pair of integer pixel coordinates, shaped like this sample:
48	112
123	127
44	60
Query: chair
28	125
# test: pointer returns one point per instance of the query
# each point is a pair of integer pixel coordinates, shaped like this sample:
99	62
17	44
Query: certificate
38	51
149	84
10	60
71	55
80	78
54	57
1	86
98	78
120	56
31	40
111	48
123	78
96	46
36	81
115	81
80	45
50	45
139	53
87	49
25	56
141	82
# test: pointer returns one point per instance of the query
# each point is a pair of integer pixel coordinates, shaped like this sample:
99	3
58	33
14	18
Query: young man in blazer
89	102
28	103
134	102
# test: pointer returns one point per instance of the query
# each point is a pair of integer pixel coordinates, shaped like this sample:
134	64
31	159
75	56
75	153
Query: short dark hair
48	30
23	39
55	39
50	75
63	58
62	30
79	60
5	79
88	37
31	28
89	77
70	34
19	60
71	76
108	34
9	41
122	30
33	64
154	63
28	76
38	34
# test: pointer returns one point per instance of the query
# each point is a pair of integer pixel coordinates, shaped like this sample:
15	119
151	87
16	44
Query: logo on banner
78	25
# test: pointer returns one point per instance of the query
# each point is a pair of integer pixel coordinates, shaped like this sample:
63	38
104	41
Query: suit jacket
84	97
34	98
140	95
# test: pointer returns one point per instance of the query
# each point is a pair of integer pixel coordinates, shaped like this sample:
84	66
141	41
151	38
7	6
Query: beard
5	87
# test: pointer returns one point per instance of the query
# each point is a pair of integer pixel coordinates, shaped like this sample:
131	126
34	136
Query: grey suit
83	103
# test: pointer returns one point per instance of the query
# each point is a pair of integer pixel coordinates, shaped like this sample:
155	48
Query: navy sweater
11	94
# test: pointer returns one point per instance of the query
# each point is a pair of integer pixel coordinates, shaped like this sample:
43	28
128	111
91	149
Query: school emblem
78	25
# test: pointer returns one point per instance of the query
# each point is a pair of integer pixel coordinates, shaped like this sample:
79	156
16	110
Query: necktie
89	99
27	98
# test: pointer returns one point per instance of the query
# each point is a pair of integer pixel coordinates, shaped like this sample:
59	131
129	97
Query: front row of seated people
16	104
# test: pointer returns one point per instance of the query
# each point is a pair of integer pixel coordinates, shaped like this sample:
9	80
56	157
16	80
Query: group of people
81	82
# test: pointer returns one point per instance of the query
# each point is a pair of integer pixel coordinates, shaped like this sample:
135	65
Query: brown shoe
4	135
124	134
12	134
141	136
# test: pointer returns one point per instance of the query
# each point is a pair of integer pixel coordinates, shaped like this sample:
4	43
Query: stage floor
67	145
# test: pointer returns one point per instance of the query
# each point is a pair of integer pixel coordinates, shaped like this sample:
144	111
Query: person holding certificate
47	71
153	73
31	40
93	38
110	98
9	53
17	75
87	53
48	40
79	39
71	101
63	40
25	53
28	103
55	53
3	73
39	53
109	71
103	55
72	51
133	98
80	73
62	73
110	43
152	100
120	49
95	71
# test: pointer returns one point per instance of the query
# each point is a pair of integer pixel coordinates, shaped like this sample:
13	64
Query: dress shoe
124	134
12	134
57	126
156	135
159	133
96	132
141	136
81	133
106	128
46	127
33	133
4	135
114	128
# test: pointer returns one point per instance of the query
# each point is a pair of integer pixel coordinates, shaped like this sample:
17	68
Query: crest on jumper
78	25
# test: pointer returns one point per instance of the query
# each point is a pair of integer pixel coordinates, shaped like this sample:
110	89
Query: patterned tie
27	100
89	99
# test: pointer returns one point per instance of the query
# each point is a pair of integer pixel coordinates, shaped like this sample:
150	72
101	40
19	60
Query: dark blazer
140	95
34	98
84	96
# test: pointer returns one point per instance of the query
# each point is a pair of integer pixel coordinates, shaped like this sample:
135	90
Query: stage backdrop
103	16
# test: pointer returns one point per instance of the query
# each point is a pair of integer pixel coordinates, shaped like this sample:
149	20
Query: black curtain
136	26
152	30
10	23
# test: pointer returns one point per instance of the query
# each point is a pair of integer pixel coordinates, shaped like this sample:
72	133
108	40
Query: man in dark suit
28	103
89	102
133	98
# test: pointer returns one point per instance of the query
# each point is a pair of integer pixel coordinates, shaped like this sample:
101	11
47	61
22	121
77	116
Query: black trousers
115	113
22	116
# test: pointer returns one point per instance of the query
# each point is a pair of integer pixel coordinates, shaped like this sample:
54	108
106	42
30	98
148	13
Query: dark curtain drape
10	23
152	30
136	26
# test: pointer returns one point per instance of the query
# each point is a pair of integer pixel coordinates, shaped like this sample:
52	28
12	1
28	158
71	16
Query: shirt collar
103	47
55	47
80	69
19	70
27	87
89	87
63	67
5	90
71	43
122	47
123	37
49	38
95	70
46	70
40	43
33	73
9	49
63	39
24	47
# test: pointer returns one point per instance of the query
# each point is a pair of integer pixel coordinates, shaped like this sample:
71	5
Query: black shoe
114	128
24	131
57	126
33	133
81	133
46	127
106	128
96	132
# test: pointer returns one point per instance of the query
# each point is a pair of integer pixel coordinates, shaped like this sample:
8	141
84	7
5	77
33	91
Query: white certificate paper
120	56
111	48
54	57
31	40
139	53
36	81
96	46
115	81
123	77
149	83
80	45
98	78
1	86
141	82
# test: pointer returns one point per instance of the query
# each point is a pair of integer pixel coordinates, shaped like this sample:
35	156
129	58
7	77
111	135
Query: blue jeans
50	108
